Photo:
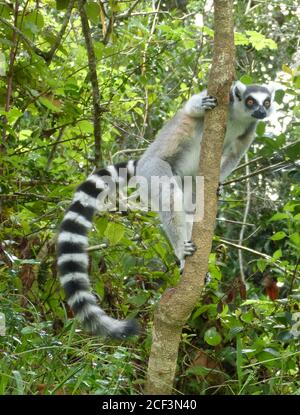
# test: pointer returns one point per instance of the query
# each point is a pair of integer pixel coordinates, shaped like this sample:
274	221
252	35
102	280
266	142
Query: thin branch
255	173
246	212
54	147
10	74
77	137
143	67
128	150
123	16
24	38
294	276
235	222
129	11
253	251
29	196
241	166
55	46
96	247
94	81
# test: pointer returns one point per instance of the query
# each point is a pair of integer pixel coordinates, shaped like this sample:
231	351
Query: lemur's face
255	100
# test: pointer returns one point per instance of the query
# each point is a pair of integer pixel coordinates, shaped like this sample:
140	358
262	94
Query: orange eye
267	104
250	102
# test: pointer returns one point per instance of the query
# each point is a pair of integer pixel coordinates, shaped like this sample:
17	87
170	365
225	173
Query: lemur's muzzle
260	113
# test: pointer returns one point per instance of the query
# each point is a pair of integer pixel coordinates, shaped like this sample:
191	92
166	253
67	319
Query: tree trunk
177	303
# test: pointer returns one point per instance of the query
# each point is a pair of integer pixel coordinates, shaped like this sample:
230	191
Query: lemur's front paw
189	248
209	102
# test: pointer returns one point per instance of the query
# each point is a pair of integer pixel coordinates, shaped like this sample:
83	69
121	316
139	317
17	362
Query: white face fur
252	102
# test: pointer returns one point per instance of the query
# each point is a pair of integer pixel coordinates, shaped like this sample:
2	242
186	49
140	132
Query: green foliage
147	66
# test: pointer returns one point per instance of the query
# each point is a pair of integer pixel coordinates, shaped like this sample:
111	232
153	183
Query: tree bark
177	303
94	81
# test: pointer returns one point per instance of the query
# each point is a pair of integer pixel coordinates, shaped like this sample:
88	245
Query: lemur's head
252	101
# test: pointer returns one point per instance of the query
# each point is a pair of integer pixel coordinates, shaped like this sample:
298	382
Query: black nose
260	113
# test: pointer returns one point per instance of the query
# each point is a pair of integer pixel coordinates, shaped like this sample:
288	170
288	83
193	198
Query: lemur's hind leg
165	195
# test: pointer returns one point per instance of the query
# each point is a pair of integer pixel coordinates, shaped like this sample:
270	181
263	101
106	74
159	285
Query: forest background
84	89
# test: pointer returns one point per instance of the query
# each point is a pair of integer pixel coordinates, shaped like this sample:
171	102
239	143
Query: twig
129	11
246	212
143	67
49	55
241	166
24	38
30	195
96	247
54	147
12	56
253	251
235	221
77	137
94	81
255	173
294	276
128	150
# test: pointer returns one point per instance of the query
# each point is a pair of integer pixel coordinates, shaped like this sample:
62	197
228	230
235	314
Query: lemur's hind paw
209	102
189	248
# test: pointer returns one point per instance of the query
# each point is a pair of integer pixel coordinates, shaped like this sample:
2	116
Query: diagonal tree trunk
177	304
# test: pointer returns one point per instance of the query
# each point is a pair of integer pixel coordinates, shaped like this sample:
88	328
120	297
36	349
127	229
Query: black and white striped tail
72	258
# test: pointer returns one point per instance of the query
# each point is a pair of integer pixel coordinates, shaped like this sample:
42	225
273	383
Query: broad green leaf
114	232
277	254
279	216
259	41
49	104
86	126
93	12
278	236
295	238
261	264
212	337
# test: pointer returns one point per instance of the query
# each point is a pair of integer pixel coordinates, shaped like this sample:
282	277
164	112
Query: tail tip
131	328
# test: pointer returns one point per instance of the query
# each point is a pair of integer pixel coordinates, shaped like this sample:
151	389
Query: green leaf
212	337
277	254
278	216
293	152
295	238
259	41
246	79
139	299
62	4
286	69
49	104
261	264
278	236
261	128
93	12
279	94
86	126
114	232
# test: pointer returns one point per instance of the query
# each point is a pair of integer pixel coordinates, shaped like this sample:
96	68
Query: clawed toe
209	102
189	248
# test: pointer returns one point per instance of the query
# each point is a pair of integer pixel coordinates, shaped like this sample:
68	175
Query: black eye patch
267	103
251	102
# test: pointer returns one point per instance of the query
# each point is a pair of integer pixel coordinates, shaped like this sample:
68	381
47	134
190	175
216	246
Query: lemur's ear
272	88
238	89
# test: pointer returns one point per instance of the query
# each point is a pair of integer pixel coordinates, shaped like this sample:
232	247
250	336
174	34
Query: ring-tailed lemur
175	151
